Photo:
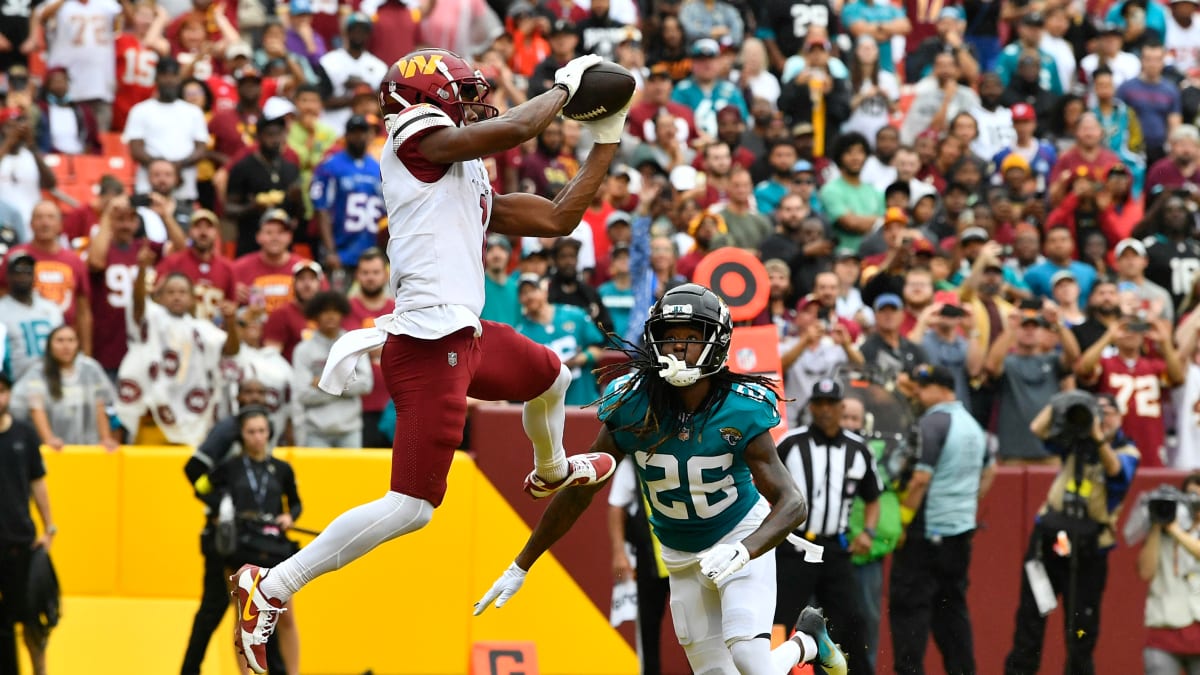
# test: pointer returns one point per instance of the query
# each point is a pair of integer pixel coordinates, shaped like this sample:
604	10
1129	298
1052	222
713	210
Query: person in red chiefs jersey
288	325
265	276
138	50
112	260
59	274
367	302
1136	378
211	273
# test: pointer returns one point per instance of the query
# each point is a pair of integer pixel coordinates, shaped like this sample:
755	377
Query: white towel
813	553
339	367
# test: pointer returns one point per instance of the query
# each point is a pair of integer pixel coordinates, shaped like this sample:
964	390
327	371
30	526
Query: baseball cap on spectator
357	122
629	174
1061	275
499	240
529	278
973	234
19	257
827	389
705	48
205	214
659	70
237	49
562	27
358	19
926	375
955	13
519	9
847	254
300	7
276	108
895	215
18	76
1109	28
1032	315
1184	131
307	266
1023	112
1014	161
803	166
802	129
1117	169
166	64
1130	245
888	300
683	178
618	217
805	302
922	246
246	72
276	216
632	36
1030	19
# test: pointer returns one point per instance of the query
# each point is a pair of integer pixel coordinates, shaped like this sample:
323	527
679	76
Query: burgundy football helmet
438	77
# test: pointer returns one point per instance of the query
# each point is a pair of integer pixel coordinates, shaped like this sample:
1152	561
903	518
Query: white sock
349	537
544	418
807	646
788	655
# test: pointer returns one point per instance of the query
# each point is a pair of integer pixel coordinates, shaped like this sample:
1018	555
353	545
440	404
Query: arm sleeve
323	191
935	427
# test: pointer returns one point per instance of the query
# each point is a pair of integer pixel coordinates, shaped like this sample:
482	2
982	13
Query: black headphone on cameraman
252	411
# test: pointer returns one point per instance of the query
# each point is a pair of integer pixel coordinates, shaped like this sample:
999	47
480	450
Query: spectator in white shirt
23	175
81	39
347	67
167	127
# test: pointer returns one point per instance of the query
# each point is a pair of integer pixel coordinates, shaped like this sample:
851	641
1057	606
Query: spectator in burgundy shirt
112	260
59	274
1088	152
1181	166
542	168
211	273
232	131
288	325
731	127
81	221
656	96
368	301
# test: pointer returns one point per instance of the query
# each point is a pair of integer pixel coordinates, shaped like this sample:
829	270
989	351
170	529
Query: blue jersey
351	190
696	482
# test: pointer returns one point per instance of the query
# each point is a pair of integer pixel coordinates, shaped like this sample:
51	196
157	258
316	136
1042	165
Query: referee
831	467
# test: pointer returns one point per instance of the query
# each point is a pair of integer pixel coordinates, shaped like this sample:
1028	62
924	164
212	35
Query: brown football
603	91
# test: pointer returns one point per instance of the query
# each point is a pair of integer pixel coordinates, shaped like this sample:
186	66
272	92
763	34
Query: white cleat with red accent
586	469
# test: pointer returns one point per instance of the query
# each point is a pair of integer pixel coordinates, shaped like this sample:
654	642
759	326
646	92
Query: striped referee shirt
830	473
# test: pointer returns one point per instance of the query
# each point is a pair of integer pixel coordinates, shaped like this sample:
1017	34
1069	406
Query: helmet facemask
679	373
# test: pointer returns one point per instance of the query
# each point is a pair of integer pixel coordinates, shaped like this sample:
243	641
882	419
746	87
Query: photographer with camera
246	496
1075	528
1170	562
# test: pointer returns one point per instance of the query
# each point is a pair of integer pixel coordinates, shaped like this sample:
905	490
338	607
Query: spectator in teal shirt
781	158
566	330
705	92
1029	36
499	289
881	20
617	292
853	207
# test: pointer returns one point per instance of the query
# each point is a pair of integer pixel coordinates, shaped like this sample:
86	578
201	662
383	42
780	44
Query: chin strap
676	372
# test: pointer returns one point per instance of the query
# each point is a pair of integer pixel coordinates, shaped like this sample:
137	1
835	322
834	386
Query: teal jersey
500	301
697	482
619	303
569	332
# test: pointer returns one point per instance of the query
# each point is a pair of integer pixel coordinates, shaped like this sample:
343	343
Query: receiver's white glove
570	75
504	588
609	129
722	560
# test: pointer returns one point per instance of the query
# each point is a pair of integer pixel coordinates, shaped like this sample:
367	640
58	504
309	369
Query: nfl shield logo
452	359
685	433
746	359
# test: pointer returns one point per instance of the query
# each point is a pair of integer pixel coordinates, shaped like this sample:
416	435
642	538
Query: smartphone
952	311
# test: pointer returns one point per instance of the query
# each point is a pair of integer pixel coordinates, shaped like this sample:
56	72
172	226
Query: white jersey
1124	67
340	66
1183	44
269	367
173	370
27	327
436	233
996	131
83	42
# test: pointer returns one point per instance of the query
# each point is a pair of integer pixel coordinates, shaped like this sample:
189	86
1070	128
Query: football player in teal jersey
719	498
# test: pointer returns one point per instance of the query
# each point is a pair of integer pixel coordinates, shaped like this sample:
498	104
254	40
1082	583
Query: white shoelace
263	632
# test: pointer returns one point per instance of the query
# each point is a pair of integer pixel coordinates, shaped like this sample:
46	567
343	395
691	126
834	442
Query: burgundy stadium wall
503	454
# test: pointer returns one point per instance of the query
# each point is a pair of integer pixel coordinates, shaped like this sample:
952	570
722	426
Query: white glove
609	129
722	560
571	74
504	588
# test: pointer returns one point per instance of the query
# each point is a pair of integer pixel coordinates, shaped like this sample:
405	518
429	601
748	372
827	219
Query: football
603	91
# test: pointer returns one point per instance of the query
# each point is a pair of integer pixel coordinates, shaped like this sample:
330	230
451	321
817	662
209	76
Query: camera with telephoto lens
1075	415
1163	503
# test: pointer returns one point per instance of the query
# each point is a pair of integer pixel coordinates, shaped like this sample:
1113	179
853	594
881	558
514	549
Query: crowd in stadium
1006	189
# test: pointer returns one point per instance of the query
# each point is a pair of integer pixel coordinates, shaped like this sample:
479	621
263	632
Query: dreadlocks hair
665	413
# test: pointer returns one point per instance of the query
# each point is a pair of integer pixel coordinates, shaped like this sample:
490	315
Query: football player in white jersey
436	350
